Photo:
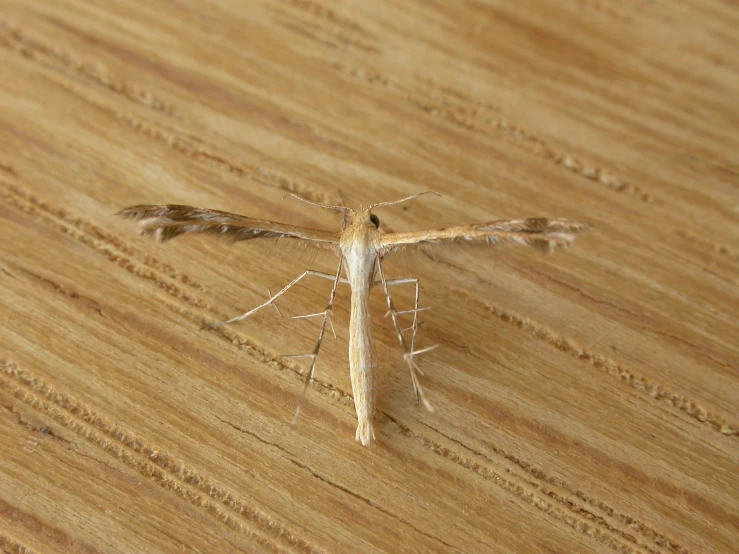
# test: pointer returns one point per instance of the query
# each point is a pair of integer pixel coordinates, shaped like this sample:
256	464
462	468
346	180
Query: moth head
365	217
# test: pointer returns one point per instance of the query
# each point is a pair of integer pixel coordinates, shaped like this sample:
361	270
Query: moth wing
540	233
165	222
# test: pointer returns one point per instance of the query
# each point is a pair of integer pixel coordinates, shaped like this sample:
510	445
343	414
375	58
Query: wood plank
585	401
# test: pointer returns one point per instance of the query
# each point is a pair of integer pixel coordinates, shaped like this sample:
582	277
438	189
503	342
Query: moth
361	246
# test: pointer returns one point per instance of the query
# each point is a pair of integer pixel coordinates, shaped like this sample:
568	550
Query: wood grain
585	401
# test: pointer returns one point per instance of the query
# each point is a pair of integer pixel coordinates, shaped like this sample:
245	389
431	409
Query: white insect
362	246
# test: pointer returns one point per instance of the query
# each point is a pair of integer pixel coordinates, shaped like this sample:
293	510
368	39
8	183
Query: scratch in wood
251	434
370	503
699	349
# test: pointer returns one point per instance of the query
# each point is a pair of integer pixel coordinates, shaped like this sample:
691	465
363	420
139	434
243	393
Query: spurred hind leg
408	353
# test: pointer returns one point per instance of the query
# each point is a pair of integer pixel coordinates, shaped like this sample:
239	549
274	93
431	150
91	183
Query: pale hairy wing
165	222
537	232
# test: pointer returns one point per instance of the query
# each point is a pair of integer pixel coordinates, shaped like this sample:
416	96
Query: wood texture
585	401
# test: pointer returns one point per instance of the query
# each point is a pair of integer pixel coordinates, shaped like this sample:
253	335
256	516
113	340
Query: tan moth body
361	246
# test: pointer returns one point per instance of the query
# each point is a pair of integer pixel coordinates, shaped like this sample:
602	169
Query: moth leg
316	349
275	297
414	311
274	304
408	354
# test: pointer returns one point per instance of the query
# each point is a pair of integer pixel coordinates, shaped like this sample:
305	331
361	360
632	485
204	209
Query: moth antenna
343	214
403	199
328	207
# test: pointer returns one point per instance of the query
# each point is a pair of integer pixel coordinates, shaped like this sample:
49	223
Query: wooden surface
585	401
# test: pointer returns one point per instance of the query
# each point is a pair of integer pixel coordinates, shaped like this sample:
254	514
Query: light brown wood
585	401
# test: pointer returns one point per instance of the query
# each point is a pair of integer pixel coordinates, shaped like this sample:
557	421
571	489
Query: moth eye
375	221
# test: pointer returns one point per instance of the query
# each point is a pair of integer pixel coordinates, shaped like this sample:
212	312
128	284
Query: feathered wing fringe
540	233
165	222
